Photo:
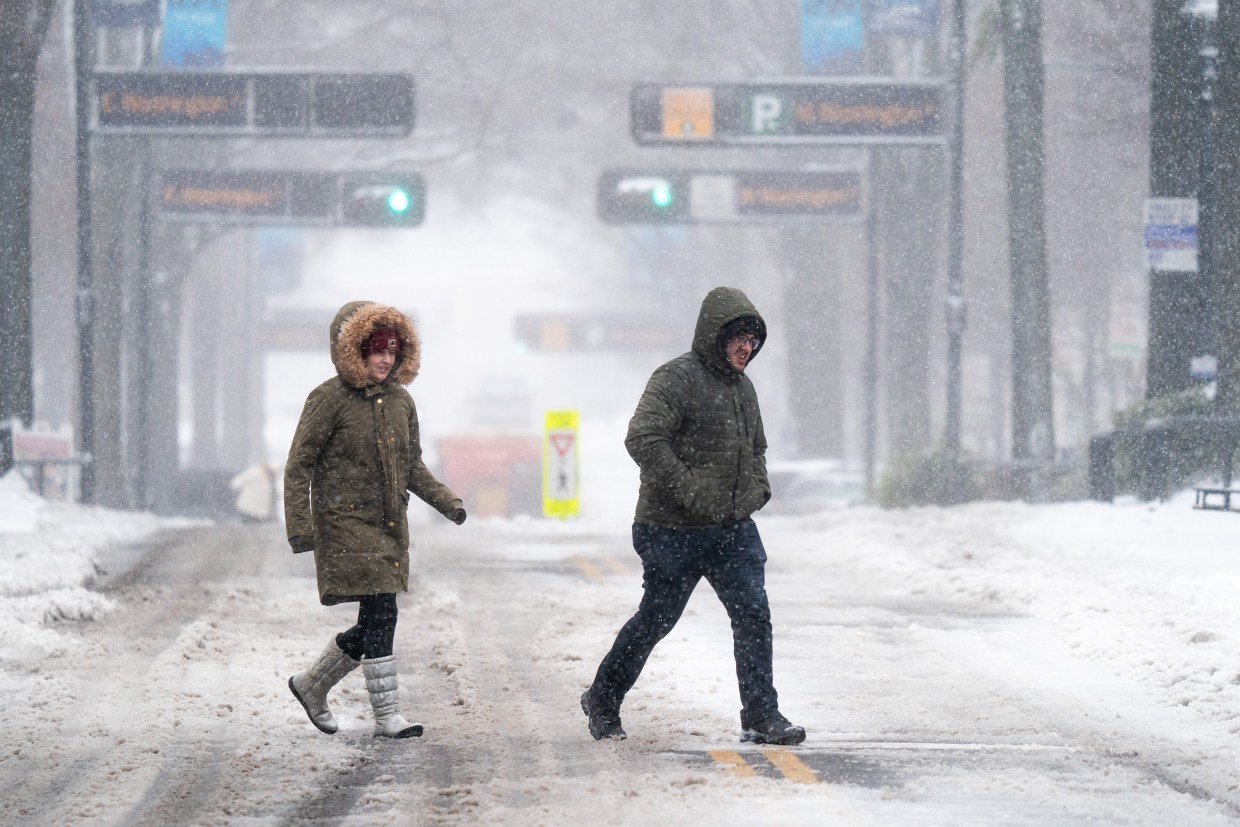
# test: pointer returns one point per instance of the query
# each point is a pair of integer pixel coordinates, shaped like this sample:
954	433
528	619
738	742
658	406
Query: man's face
739	349
379	365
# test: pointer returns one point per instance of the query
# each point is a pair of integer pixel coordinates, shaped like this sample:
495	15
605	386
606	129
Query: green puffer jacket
697	432
355	457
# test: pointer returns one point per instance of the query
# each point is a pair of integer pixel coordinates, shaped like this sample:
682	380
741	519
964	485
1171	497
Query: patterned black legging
376	627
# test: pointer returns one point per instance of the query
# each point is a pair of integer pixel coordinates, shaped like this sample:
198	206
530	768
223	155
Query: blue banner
194	33
122	13
832	37
906	18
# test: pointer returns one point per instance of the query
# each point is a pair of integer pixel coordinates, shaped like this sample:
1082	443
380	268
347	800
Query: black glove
301	543
457	516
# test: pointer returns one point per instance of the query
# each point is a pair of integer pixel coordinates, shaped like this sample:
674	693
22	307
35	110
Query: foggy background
519	107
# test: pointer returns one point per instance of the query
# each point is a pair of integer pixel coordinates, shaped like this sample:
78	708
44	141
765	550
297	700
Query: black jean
375	630
733	560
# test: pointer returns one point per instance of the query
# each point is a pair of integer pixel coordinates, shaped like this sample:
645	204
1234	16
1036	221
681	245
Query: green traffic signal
382	199
643	196
398	201
661	195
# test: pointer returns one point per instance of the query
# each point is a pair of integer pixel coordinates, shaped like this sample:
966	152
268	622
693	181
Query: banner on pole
194	33
561	481
832	37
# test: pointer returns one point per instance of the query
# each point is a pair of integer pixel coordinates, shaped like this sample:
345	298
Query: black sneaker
602	725
775	729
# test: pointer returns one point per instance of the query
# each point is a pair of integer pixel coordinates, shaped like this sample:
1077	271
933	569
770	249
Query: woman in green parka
355	457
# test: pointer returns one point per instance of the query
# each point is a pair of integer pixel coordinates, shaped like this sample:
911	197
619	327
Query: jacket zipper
740	446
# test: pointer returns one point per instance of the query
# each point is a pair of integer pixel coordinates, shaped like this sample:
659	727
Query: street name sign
853	110
226	103
296	198
1171	234
685	196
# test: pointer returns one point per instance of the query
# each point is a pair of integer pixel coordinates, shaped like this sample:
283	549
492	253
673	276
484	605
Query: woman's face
379	365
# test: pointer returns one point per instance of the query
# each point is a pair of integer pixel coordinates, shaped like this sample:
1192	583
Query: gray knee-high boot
383	687
311	687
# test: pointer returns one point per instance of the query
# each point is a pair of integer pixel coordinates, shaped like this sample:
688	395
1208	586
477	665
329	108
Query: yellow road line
587	568
793	768
615	565
731	761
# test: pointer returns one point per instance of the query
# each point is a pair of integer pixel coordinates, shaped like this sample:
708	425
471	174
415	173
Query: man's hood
720	307
353	325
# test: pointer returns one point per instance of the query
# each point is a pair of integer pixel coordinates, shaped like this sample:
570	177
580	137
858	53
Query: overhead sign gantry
288	197
789	112
686	196
228	103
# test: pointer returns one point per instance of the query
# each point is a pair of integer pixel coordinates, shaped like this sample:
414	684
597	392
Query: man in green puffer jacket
697	438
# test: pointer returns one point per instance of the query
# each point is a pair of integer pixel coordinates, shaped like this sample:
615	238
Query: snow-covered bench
1214	499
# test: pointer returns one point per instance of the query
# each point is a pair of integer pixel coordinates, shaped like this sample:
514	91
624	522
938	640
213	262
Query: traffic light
637	197
382	200
707	196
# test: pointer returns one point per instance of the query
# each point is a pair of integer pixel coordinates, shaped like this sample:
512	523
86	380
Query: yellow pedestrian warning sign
561	490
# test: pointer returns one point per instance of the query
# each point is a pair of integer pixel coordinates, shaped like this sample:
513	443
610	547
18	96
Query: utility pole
141	356
83	60
1226	245
1206	15
955	307
870	373
21	38
1175	298
1033	433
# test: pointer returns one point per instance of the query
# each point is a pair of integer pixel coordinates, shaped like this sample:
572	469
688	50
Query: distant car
808	485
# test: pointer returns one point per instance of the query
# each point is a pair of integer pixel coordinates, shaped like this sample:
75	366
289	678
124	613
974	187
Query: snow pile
19	508
50	552
1127	610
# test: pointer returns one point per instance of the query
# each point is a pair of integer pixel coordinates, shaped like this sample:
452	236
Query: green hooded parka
356	455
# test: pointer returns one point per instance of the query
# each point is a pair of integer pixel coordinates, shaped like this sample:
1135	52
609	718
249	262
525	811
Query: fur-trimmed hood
353	325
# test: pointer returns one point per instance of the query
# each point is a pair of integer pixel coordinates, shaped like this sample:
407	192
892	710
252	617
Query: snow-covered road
992	664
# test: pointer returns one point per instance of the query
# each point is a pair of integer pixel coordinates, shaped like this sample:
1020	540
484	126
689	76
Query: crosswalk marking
615	565
793	768
731	761
587	568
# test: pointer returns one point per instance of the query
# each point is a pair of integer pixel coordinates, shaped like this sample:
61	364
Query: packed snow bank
1142	593
49	553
